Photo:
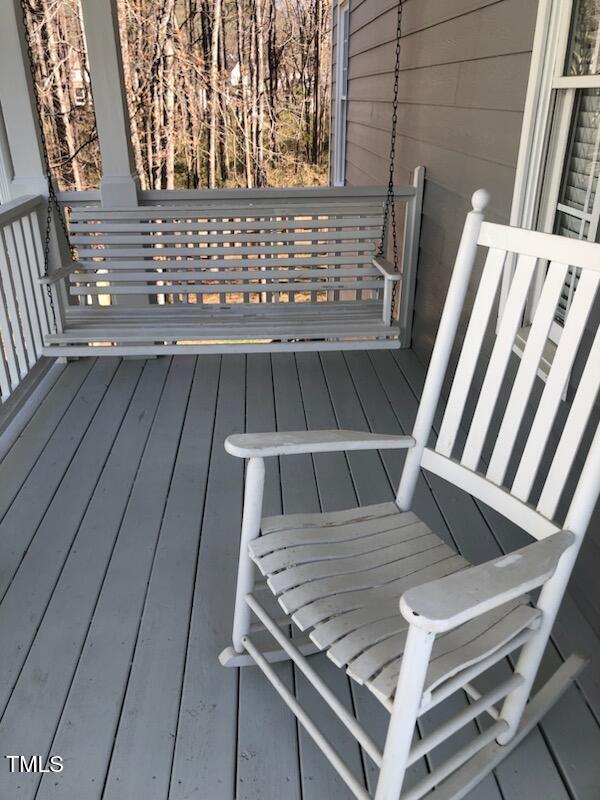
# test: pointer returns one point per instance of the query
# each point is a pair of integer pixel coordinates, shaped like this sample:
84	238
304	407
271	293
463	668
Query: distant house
235	74
502	95
80	84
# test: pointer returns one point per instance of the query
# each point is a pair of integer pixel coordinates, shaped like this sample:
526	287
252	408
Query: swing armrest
260	445
444	604
386	268
58	275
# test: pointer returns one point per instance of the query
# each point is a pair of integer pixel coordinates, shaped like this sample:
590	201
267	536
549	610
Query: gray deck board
120	529
35	707
96	695
32	440
22	518
150	709
265	772
205	751
26	598
336	490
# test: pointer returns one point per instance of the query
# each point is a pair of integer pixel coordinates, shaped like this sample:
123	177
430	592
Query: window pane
582	166
576	216
341	109
583	54
570	225
344	55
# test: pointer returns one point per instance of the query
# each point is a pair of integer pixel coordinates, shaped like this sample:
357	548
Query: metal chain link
52	198
389	213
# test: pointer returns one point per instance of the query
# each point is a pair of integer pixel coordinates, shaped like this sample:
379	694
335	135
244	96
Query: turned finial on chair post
480	200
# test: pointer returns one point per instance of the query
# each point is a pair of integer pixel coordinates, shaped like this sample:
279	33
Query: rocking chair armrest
260	445
446	603
386	268
57	275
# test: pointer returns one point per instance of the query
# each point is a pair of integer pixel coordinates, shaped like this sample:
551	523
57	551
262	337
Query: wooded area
220	92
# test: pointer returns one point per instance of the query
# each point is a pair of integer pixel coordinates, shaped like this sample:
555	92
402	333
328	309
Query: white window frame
542	149
341	91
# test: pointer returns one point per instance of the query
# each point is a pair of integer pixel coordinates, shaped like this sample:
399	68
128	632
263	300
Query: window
559	157
341	94
80	96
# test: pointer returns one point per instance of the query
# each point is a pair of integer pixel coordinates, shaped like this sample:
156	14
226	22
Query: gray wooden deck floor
120	516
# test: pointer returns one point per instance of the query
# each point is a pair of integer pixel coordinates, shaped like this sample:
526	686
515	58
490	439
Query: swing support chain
53	202
389	214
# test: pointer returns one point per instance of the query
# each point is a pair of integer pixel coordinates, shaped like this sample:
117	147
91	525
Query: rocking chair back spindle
380	592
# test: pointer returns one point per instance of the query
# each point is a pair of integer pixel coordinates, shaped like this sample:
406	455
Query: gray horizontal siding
460	85
464	71
463	80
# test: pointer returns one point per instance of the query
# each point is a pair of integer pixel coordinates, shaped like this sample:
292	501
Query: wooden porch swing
381	593
238	270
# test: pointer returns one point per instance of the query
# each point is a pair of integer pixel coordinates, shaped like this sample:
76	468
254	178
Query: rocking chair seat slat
342	575
325	613
289	578
287	521
496	633
359	643
305	553
313	590
373	659
346	649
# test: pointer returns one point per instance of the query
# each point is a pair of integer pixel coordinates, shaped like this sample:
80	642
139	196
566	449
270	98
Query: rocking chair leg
404	714
312	676
461	782
533	651
253	496
320	740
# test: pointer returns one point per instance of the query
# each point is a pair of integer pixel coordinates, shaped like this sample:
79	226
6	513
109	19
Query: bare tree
243	94
214	93
219	92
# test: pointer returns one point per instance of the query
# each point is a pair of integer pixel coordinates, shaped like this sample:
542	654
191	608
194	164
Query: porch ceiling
120	516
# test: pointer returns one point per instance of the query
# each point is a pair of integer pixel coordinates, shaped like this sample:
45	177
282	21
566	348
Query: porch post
119	184
24	161
20	139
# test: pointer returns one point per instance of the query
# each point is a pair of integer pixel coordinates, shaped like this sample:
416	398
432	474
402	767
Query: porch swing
237	270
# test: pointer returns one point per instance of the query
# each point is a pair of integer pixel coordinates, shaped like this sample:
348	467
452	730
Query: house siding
463	80
464	68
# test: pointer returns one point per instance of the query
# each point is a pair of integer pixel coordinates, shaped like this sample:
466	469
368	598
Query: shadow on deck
120	515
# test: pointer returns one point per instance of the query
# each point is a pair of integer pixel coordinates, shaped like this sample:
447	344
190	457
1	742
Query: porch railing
23	312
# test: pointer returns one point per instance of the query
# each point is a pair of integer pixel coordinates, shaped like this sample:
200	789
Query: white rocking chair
380	592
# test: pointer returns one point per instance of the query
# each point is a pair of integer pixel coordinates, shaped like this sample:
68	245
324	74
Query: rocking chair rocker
380	592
